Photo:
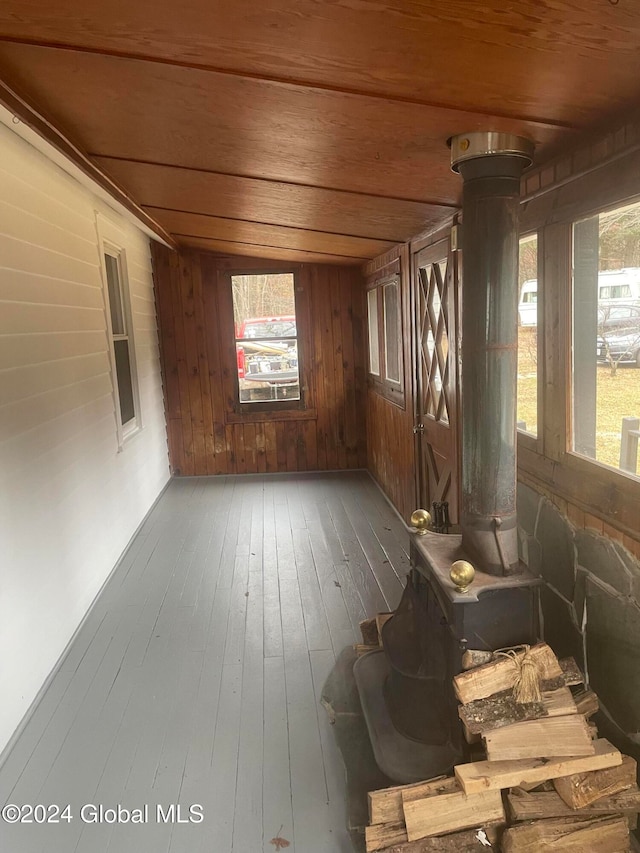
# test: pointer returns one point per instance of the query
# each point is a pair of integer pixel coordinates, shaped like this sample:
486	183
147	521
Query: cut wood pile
548	782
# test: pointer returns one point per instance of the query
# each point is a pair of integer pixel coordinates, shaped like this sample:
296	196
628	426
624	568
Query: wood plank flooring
197	676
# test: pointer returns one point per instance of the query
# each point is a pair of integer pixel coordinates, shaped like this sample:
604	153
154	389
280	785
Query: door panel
437	403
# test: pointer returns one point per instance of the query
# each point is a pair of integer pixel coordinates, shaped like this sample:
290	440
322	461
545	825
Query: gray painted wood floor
196	677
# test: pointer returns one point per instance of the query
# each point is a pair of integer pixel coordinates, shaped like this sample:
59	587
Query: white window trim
110	242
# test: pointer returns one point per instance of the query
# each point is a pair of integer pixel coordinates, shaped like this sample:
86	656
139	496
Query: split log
383	835
559	703
472	658
548	804
587	703
493	775
570	677
469	841
581	789
571	672
385	805
551	737
500	674
570	835
500	710
369	631
470	737
537	786
450	812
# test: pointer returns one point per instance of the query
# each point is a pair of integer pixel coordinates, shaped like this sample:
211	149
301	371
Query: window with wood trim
374	334
120	328
586	228
605	364
528	330
266	339
384	324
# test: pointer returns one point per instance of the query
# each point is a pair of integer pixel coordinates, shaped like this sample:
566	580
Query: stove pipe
491	165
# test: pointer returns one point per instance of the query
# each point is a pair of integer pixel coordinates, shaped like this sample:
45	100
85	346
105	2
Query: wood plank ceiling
310	129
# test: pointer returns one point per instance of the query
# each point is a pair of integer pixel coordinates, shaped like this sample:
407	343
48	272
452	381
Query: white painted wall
69	501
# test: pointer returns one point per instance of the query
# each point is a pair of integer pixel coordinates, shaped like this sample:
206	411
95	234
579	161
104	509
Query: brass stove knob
420	520
462	574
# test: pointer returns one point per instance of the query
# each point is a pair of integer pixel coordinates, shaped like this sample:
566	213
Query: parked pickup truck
267	358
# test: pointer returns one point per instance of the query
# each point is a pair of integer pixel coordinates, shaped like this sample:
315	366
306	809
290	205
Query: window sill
529	440
388	392
270	415
127	436
609	494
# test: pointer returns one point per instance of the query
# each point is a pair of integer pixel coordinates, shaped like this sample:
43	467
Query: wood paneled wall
390	438
206	434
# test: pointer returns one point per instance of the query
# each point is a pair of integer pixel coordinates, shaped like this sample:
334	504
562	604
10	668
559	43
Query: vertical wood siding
69	501
390	439
194	301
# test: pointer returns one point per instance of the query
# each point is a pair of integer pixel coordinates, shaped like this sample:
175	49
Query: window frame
269	410
393	390
528	439
605	495
570	449
110	243
398	330
373	348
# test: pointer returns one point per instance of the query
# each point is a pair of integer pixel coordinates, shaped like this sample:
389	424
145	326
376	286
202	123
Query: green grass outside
618	396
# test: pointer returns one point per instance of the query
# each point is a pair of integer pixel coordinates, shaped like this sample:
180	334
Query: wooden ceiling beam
254	245
272	253
294	83
563	61
25	112
166	114
250	221
183	223
309	208
446	206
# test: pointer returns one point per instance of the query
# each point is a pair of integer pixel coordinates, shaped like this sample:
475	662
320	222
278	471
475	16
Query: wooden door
435	272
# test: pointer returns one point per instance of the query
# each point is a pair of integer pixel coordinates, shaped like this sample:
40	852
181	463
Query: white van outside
619	285
528	306
614	287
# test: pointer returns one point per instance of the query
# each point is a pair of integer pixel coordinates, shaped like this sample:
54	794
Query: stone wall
590	608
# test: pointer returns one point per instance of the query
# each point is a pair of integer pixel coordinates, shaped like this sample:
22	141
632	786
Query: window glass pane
125	386
115	295
265	331
391	337
374	343
606	337
268	370
528	336
264	305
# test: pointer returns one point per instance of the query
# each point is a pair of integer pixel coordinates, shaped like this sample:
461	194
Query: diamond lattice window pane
436	386
435	300
430	344
444	345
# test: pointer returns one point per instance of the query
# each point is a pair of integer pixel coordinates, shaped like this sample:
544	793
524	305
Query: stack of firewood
547	782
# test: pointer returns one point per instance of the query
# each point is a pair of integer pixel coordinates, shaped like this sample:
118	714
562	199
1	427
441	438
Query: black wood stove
406	691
